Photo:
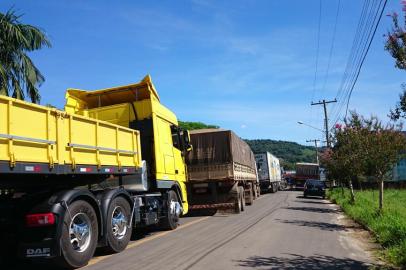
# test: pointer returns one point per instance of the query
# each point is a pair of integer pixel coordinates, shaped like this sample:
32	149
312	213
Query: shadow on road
295	261
313	209
312	202
26	265
141	233
201	213
325	226
310	198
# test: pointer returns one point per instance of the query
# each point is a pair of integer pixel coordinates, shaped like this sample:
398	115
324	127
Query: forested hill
195	125
288	152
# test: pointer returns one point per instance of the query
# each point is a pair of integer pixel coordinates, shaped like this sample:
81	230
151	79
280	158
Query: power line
365	37
317	58
366	31
362	42
351	57
375	9
332	46
365	55
317	50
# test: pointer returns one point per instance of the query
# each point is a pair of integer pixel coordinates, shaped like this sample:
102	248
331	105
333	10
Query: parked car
314	187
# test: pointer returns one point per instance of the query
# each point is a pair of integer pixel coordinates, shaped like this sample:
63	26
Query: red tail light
39	220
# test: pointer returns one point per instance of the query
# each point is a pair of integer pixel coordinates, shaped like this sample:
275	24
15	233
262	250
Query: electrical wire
317	50
317	59
349	66
332	46
365	55
366	31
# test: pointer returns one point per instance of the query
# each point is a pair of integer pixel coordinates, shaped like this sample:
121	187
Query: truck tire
79	235
274	188
242	193
170	220
250	199
118	231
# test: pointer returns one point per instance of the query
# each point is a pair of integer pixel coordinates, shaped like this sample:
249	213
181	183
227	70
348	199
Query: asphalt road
280	231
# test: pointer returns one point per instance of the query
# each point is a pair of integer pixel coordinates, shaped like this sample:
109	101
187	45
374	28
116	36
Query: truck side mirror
186	140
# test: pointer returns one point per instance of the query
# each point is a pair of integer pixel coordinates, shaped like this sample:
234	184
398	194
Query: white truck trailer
269	172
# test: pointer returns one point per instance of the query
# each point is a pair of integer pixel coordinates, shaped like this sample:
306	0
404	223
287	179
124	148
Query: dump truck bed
39	139
219	155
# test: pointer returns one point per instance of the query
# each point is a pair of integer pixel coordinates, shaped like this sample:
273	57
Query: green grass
389	227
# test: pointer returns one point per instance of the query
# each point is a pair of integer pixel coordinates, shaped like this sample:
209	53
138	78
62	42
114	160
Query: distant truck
305	171
221	171
269	172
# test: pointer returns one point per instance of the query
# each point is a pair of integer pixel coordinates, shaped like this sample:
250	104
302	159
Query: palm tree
18	74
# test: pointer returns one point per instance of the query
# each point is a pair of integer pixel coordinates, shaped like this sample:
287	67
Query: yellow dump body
30	133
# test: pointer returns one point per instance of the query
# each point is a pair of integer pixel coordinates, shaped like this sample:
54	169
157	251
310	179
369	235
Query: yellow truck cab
137	106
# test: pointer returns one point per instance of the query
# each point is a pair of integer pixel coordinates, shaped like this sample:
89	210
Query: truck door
177	154
167	164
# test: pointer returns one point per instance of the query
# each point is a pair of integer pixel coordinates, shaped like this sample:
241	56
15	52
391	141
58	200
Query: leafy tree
396	40
18	74
328	160
400	109
383	146
364	146
395	44
347	158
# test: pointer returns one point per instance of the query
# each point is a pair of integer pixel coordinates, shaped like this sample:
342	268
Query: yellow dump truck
85	177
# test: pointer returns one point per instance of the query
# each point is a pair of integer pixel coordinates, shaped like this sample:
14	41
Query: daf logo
38	252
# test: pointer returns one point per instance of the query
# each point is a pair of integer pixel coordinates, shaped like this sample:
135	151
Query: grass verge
389	227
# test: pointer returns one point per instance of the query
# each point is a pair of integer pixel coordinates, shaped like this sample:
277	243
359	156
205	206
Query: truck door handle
176	171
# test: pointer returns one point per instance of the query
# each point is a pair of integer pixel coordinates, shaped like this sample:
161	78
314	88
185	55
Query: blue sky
243	65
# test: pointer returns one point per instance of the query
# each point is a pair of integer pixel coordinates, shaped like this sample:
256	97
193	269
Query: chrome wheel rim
80	232
118	223
175	209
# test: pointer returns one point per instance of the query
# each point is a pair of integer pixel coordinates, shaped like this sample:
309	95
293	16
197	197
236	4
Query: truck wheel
118	230
172	212
79	235
250	199
242	198
272	188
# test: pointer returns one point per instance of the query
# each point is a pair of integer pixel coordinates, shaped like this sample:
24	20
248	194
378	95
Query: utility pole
317	151
324	103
